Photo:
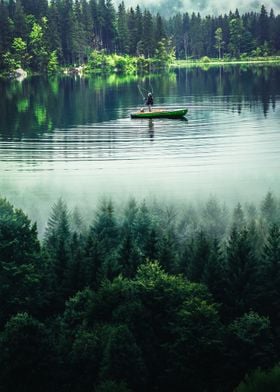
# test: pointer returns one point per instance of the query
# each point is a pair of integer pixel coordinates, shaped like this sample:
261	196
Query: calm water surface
73	137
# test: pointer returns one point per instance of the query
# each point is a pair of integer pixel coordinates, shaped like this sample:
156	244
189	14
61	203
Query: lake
73	138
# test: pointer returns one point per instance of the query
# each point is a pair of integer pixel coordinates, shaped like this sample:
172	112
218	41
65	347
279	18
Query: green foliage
250	344
38	49
113	318
19	49
205	60
219	43
121	358
112	386
74	29
236	31
26	360
9	62
261	381
19	269
53	62
164	53
100	62
241	273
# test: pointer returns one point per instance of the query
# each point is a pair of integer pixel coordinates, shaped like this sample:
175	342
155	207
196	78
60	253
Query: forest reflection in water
72	137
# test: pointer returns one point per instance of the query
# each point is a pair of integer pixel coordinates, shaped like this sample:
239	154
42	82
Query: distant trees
71	30
145	298
219	40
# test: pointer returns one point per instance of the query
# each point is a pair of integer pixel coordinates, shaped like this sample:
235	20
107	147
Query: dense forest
40	35
148	297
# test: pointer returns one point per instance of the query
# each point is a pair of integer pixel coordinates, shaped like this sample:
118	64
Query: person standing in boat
150	101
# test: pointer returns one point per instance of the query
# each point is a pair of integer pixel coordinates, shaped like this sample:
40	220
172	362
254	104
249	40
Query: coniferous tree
36	8
196	34
102	246
214	272
148	34
122	28
263	26
159	29
132	29
270	276
269	208
53	32
79	36
219	40
186	34
139	31
241	274
57	243
19	25
5	28
236	31
199	257
238	217
27	357
19	262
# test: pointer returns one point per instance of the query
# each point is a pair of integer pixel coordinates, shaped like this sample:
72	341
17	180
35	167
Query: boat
160	113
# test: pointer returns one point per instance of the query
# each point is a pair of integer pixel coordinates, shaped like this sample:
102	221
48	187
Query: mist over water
73	138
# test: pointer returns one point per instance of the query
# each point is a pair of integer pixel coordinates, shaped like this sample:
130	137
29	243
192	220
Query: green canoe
160	113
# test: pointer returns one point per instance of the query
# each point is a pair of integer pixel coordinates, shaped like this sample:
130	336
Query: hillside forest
147	297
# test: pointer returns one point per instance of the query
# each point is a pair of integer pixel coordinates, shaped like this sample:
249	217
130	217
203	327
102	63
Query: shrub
261	381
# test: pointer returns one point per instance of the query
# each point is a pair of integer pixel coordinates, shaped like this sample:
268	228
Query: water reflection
151	128
73	137
39	105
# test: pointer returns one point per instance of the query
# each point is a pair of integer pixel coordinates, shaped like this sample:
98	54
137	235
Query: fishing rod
141	92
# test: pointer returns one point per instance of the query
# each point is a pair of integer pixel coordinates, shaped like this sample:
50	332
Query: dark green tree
241	274
19	22
36	8
250	346
261	381
121	358
148	34
19	262
270	276
26	356
102	246
57	247
122	28
263	27
236	31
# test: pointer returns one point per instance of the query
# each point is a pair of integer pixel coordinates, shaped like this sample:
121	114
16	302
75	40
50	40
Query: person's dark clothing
150	100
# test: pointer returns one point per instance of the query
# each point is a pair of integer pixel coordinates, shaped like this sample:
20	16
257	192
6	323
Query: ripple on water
215	134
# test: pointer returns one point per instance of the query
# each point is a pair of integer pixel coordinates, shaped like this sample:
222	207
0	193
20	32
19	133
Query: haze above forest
205	7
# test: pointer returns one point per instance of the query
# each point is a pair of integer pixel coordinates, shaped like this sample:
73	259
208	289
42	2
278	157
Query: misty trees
103	307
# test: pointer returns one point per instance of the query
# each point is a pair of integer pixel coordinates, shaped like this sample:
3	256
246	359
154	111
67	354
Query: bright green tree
38	49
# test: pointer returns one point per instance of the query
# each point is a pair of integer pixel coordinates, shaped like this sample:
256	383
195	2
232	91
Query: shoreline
215	62
82	71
